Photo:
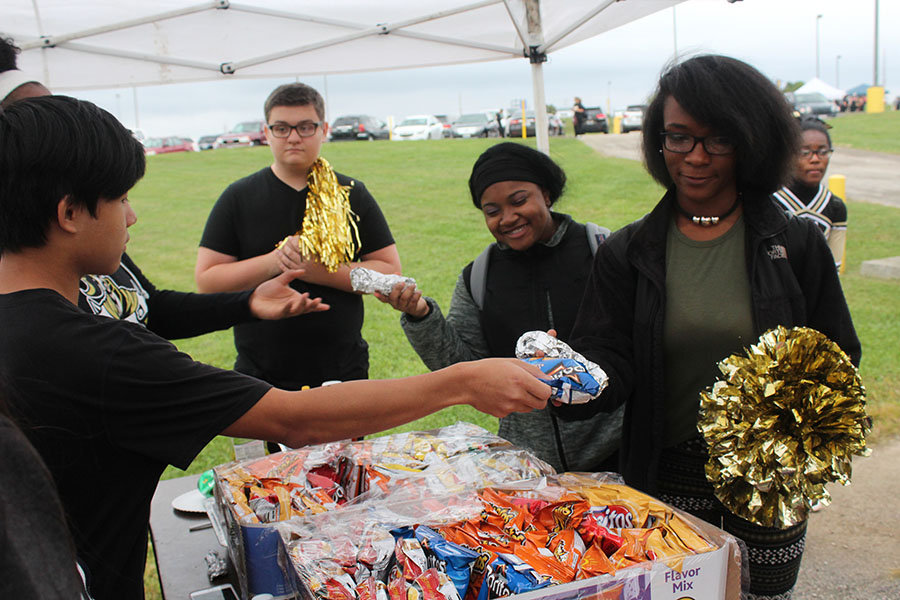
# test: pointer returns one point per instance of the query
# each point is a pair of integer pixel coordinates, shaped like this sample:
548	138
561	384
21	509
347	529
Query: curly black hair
735	100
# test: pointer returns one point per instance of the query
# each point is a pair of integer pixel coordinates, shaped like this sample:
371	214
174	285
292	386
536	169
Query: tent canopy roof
817	85
113	43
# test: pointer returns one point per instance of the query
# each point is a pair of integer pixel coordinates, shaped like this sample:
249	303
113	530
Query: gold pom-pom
329	230
783	421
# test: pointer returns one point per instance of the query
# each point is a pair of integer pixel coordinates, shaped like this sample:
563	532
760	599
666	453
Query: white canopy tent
817	85
90	44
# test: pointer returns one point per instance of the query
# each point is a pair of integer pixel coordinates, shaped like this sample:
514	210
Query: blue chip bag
570	379
452	559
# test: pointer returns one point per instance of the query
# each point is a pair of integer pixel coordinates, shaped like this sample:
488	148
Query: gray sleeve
440	341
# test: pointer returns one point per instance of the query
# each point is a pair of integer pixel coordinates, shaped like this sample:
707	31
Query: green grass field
879	132
422	189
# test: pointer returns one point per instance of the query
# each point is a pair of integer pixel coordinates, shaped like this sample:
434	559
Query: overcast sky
611	70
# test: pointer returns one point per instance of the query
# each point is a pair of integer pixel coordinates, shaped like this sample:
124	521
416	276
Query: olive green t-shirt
708	318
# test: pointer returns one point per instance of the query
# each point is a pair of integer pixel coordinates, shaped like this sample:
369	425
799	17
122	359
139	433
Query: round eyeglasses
684	143
303	129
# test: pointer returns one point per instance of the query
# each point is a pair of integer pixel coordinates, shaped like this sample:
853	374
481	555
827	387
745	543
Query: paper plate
191	501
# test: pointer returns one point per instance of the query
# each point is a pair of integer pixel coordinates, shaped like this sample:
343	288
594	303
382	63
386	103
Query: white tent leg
540	108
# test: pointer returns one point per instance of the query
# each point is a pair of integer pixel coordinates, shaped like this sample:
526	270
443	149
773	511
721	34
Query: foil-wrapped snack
367	281
531	343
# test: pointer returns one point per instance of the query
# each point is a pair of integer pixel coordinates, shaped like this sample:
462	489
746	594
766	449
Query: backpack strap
596	235
478	276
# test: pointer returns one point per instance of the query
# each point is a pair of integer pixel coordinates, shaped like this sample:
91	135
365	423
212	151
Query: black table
179	551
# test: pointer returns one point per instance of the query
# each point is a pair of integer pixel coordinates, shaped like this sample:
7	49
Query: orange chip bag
565	513
594	562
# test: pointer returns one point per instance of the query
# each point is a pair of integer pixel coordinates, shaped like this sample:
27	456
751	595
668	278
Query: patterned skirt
773	554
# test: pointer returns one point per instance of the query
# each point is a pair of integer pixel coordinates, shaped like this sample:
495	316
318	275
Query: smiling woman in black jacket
713	266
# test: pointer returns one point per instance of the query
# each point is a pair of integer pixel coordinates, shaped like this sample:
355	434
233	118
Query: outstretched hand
502	386
407	299
276	299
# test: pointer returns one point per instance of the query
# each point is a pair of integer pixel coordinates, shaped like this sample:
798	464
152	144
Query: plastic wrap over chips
783	421
318	479
367	281
575	379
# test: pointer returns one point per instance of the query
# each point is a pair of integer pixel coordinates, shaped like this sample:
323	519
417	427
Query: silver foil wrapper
532	342
367	281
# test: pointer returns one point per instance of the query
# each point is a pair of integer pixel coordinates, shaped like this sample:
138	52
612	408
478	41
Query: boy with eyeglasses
298	213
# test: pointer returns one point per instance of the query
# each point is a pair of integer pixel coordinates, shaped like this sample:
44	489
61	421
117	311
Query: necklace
704	221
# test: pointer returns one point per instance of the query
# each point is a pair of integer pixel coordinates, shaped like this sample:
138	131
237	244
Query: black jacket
793	282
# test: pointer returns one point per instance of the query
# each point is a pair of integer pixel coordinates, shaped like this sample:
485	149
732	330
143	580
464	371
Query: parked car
248	133
475	125
419	127
445	123
514	129
633	118
813	103
207	142
166	145
595	121
359	127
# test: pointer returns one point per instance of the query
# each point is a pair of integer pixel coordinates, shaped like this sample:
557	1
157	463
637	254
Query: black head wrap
515	162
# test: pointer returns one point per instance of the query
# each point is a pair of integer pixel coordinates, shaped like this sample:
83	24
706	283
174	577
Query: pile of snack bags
451	514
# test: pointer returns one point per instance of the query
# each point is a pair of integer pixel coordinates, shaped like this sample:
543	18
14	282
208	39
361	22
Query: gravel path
853	545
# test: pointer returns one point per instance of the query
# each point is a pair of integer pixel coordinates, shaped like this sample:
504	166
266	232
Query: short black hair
736	100
56	146
511	161
815	124
8	53
295	94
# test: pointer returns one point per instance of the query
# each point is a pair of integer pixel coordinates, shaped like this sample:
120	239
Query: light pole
818	18
837	71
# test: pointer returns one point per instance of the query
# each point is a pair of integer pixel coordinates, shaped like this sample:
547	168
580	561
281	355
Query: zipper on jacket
556	434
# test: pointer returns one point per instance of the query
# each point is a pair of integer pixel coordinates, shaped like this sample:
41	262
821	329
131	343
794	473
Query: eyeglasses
821	152
684	143
303	129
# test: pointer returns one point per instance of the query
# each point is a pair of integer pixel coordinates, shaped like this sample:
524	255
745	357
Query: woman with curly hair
715	264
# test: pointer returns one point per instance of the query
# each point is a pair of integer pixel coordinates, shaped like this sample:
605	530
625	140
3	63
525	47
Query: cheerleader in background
808	197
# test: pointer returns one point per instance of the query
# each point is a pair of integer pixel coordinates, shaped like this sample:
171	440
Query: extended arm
496	387
440	342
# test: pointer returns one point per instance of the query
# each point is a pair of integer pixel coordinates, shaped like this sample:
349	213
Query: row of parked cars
484	124
248	133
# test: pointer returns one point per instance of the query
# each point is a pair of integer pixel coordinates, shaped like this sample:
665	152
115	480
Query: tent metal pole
540	108
537	58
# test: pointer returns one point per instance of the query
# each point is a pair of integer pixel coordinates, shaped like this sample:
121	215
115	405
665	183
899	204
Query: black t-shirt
108	404
249	219
579	115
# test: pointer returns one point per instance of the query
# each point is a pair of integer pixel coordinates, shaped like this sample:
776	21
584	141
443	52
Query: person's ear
546	195
67	214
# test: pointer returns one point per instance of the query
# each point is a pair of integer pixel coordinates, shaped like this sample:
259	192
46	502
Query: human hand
288	255
276	299
501	386
407	299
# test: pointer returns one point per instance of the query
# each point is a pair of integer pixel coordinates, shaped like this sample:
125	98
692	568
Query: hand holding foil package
367	281
574	379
